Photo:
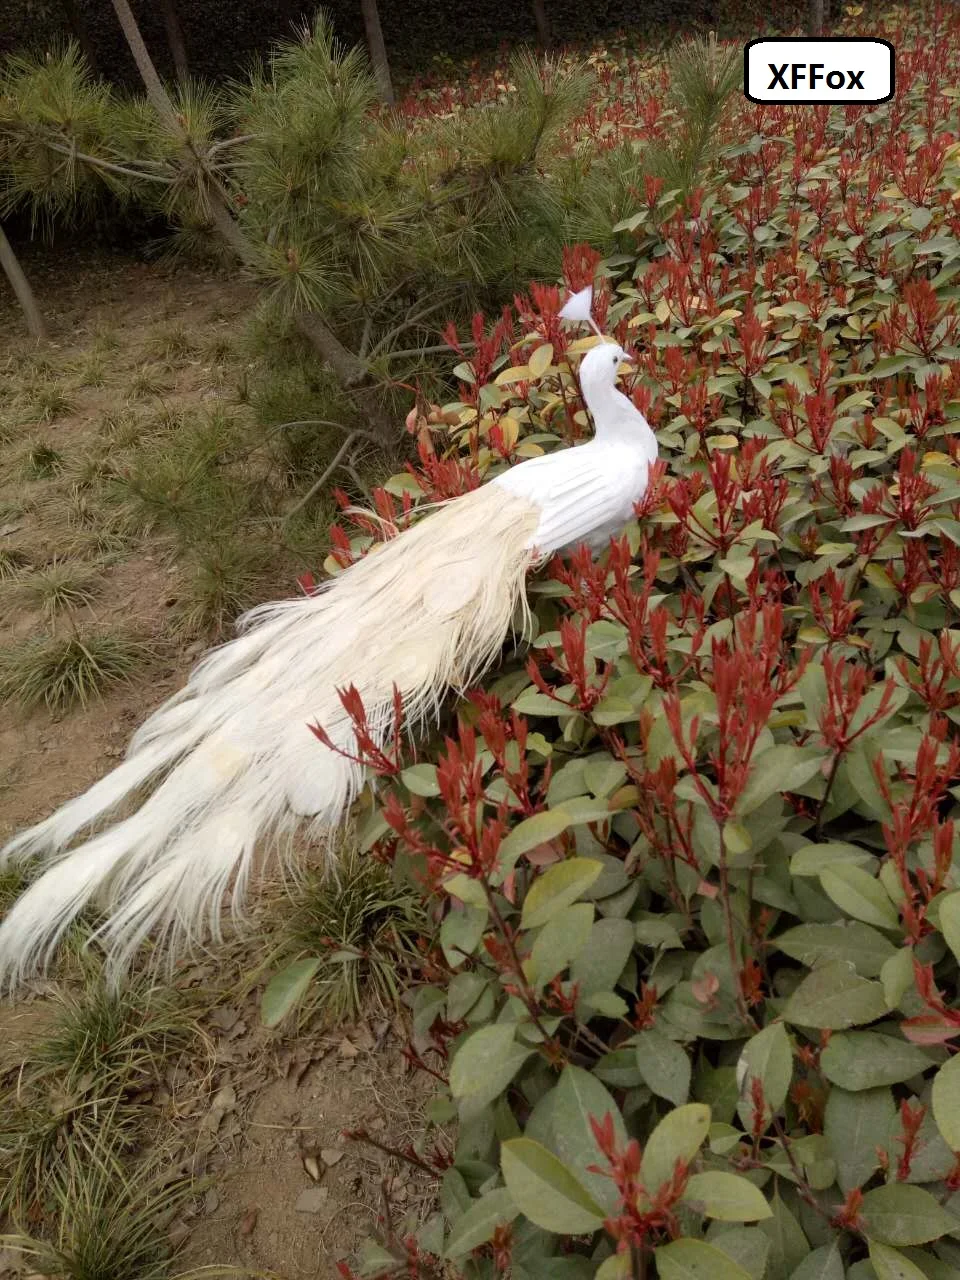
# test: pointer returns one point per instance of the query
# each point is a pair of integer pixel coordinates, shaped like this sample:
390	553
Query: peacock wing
579	491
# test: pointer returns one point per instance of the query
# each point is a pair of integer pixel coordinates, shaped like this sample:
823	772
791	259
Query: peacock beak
627	361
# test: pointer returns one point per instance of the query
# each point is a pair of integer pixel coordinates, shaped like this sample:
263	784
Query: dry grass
58	671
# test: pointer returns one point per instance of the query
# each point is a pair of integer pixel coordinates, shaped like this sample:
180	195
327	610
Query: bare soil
288	1195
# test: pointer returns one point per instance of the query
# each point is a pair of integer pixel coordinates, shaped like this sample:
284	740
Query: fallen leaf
311	1200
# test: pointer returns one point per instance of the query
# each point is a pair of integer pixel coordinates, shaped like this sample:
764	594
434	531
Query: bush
697	970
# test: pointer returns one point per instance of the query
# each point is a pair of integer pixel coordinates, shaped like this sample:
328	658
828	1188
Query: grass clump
48	401
12	561
109	1220
221	580
59	586
60	671
91	369
170	344
43	461
86	1202
354	932
114	1040
148	381
12	884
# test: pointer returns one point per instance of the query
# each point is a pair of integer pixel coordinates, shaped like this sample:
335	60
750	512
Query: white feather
578	308
231	758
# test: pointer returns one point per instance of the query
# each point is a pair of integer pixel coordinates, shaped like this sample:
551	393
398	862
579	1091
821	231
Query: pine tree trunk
178	46
543	23
349	368
377	49
815	18
80	31
21	287
156	93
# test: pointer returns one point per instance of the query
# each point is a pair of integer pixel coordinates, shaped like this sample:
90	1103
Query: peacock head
600	366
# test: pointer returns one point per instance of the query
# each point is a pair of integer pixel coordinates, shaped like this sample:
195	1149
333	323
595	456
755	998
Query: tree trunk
178	47
156	93
377	49
80	31
349	369
543	23
21	287
815	18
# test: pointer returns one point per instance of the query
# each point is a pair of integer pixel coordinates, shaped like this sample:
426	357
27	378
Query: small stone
331	1156
211	1201
311	1200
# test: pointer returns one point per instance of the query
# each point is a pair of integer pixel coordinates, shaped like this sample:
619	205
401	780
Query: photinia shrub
692	851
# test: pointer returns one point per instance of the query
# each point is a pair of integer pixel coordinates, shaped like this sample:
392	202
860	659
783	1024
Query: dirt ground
288	1195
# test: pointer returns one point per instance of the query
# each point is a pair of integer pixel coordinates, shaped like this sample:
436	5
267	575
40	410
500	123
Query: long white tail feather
230	755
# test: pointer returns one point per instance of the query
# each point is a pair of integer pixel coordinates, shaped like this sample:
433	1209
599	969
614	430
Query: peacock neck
617	420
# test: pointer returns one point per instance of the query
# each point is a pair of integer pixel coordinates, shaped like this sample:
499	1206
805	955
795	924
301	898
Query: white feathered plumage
230	758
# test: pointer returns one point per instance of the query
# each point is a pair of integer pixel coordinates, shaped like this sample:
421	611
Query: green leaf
545	1191
901	1214
857	893
534	703
558	887
421	779
466	889
834	997
857	1060
848	941
688	1259
463	992
949	906
578	1096
286	989
932	1267
747	1246
896	976
946	1102
651	932
613	710
617	1267
886	366
812	859
606	639
428	1005
480	1221
678	1136
600	963
604	775
781	769
788	1244
485	1063
539	361
766	1057
559	942
855	1125
664	1066
727	1197
526	835
824	1263
890	1264
460	933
